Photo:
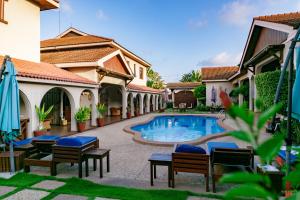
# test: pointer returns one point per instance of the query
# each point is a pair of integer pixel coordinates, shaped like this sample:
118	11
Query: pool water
178	128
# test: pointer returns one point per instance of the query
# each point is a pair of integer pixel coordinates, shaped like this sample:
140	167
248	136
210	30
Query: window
134	70
2	12
141	73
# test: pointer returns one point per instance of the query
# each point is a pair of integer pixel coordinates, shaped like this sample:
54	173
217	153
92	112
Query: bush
295	130
169	104
202	107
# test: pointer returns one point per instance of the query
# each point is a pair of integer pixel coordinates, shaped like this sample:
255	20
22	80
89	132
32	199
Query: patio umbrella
296	88
213	95
9	106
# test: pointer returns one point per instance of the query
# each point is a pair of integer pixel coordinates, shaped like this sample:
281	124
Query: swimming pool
178	128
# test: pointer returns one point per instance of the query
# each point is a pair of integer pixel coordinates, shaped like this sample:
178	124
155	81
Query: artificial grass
76	186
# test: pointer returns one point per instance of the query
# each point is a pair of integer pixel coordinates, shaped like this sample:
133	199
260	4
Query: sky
175	36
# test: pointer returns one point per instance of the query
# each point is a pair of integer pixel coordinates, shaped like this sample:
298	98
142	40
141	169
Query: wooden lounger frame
67	154
231	157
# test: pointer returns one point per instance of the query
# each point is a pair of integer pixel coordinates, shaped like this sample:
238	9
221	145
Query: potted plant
101	108
81	116
42	115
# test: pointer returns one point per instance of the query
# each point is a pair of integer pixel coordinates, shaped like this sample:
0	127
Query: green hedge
266	85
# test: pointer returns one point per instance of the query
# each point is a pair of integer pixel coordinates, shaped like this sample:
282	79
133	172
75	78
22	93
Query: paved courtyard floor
129	161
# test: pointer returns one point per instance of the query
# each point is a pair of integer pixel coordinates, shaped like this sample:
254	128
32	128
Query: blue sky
175	36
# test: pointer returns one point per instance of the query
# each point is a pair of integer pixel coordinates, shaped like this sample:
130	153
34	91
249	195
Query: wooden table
276	176
5	162
163	160
97	154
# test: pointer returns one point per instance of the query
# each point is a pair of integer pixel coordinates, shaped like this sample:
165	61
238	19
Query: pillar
124	103
95	100
240	96
148	103
141	104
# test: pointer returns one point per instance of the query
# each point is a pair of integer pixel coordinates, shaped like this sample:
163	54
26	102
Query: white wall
20	38
137	79
218	87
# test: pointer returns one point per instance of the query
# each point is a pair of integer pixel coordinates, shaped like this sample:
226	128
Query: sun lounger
191	159
229	155
72	149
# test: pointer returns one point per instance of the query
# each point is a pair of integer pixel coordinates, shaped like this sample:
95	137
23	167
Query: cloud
222	59
239	13
66	7
101	15
197	23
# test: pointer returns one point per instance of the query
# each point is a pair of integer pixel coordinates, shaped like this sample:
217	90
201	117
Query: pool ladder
221	114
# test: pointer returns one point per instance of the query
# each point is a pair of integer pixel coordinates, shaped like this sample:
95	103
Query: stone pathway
28	194
5	189
69	197
49	185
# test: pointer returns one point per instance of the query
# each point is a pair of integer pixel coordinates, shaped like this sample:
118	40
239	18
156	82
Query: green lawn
89	189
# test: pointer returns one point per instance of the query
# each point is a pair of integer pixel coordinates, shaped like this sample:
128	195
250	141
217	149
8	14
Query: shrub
101	108
202	107
83	114
169	104
200	93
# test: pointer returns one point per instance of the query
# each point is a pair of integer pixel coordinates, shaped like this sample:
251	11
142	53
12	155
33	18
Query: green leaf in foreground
248	190
270	148
265	116
245	177
295	196
242	135
294	177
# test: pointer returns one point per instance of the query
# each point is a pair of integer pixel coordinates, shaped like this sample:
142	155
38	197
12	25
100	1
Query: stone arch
130	105
146	103
66	105
137	104
152	103
25	114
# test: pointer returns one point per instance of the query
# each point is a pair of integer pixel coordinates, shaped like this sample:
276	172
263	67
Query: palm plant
193	76
101	108
82	114
42	115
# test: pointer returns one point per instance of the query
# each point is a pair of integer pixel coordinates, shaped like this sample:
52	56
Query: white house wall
35	93
224	85
20	38
137	79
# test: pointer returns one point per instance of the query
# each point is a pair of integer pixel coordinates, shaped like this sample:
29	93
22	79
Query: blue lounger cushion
282	154
187	148
23	142
75	141
46	137
228	145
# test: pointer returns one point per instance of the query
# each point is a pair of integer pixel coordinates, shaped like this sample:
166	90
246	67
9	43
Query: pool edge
138	138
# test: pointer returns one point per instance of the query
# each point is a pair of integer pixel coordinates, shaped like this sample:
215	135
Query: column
240	96
131	106
95	101
124	103
141	104
148	103
251	96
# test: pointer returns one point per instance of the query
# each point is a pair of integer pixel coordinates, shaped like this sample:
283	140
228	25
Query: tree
154	79
200	93
193	76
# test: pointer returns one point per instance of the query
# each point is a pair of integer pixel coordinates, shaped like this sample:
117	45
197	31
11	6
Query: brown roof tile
77	55
142	88
291	19
45	71
183	85
88	39
218	73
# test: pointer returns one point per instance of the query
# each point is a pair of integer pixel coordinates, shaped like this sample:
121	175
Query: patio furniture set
219	157
49	151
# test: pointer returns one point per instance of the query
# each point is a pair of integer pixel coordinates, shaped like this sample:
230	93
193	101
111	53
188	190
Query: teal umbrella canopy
9	102
296	88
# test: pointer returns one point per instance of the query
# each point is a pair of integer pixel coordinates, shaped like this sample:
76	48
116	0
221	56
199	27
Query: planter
128	115
39	133
80	126
100	122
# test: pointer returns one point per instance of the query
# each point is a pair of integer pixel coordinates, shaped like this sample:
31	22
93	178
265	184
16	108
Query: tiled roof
291	19
45	71
88	39
218	73
91	54
142	88
183	85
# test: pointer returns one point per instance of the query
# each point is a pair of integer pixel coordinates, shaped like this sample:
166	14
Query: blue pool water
178	128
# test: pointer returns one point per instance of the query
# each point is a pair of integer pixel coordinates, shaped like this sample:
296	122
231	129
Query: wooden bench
97	154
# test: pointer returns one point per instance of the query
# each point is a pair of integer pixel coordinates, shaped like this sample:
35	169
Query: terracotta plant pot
80	126
100	122
39	133
128	115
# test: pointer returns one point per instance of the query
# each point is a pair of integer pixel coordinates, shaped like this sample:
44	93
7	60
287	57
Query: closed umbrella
213	95
296	88
9	106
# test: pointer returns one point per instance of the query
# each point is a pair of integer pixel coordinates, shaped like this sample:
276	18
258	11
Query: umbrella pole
11	157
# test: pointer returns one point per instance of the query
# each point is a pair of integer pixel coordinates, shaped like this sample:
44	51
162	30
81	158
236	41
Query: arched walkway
25	115
87	99
130	105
